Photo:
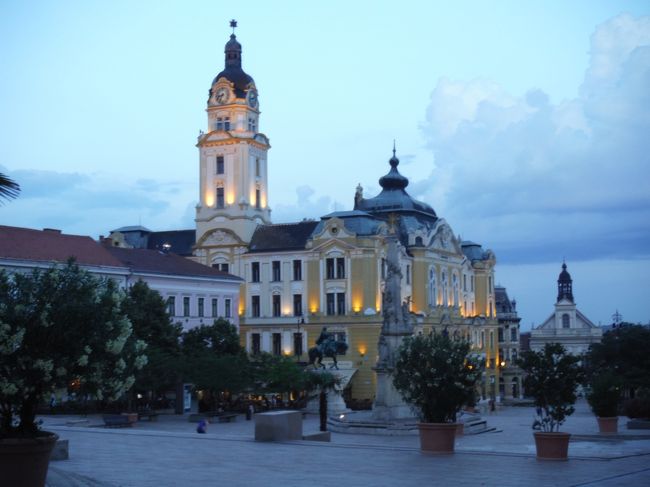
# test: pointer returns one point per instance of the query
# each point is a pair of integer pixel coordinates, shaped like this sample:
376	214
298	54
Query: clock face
222	96
252	98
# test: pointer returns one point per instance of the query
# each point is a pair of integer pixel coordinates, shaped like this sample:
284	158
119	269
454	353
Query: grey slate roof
153	261
180	241
283	236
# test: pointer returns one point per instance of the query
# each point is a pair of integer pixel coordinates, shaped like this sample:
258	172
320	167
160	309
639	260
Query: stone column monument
396	326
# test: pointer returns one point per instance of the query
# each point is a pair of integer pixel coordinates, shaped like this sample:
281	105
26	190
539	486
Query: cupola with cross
233	154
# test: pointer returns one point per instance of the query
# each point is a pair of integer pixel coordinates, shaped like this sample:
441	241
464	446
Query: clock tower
233	191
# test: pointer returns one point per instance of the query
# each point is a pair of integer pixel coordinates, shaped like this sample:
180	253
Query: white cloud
523	174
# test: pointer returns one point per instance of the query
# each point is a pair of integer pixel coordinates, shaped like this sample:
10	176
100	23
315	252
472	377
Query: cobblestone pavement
169	453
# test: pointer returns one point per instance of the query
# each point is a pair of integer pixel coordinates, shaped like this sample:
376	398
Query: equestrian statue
326	346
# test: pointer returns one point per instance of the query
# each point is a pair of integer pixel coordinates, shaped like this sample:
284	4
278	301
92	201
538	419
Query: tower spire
233	24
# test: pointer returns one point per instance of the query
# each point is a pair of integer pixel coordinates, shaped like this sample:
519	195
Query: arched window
432	287
454	280
566	322
445	296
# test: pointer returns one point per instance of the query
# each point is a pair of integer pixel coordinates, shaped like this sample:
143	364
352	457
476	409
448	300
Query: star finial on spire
393	147
233	24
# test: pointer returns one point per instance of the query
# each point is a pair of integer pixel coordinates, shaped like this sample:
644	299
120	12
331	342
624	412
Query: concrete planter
24	461
552	446
608	425
437	438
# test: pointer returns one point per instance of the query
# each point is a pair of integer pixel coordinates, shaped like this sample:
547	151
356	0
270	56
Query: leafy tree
56	326
324	383
221	338
146	309
436	375
214	361
623	351
552	376
8	188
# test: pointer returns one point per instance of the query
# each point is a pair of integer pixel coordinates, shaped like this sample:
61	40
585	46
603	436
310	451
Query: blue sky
524	124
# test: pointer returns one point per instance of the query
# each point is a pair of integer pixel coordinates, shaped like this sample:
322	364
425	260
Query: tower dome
233	71
393	197
564	285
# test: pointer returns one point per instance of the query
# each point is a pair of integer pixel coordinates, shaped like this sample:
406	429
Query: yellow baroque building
302	276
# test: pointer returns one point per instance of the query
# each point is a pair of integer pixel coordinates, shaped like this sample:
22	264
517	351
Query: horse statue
333	349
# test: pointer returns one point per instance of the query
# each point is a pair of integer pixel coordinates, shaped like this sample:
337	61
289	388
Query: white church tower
233	197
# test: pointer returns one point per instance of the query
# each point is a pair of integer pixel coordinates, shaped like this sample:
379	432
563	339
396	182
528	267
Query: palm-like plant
8	188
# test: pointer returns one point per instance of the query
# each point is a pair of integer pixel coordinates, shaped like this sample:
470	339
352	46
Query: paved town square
169	453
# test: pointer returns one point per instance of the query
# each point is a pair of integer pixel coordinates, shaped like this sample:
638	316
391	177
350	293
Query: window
454	280
215	307
228	312
331	307
277	344
297	305
226	123
340	303
513	335
490	309
408	274
491	339
186	306
276	305
255	344
566	322
445	295
490	283
219	123
275	266
329	268
258	203
220	198
340	268
472	283
500	334
255	306
258	172
200	306
297	270
224	268
252	125
514	355
171	306
297	344
341	336
465	282
383	268
255	272
432	287
220	165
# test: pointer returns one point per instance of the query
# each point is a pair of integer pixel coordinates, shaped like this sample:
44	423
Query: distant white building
195	294
567	325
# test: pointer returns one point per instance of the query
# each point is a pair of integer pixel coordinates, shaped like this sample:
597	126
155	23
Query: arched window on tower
566	321
432	287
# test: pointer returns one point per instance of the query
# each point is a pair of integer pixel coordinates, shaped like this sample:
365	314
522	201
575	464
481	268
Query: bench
116	421
150	415
226	418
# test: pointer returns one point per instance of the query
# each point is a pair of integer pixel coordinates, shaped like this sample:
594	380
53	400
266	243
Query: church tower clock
233	197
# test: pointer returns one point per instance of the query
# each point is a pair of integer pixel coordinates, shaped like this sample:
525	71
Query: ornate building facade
509	350
299	277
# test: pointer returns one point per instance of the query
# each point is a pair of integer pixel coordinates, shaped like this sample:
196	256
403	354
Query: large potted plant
436	375
552	376
56	326
604	398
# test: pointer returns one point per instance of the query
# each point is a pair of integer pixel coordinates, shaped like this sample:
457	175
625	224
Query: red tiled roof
144	260
52	246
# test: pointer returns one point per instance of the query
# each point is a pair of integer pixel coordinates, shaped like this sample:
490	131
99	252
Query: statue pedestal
388	404
335	402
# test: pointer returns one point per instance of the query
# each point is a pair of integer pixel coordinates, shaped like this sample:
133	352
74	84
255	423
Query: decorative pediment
219	238
443	239
333	246
334	228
